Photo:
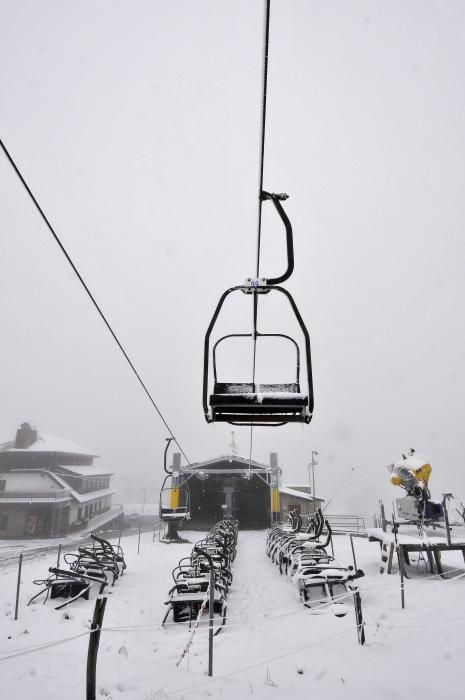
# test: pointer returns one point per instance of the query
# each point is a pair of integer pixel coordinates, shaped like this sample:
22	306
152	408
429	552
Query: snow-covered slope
271	647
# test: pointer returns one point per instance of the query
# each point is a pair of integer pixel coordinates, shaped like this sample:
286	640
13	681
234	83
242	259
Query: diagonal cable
90	295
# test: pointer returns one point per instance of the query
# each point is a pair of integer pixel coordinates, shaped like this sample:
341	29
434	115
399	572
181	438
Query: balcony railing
49	495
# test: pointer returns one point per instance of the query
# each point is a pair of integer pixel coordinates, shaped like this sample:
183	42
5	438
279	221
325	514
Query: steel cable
90	295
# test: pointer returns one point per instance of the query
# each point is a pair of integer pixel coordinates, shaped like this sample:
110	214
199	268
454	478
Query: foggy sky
137	127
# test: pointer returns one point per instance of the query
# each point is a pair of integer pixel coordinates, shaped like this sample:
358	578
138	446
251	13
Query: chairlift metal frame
248	403
177	513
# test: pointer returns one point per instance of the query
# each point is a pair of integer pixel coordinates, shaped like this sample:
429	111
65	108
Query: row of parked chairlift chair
302	555
95	566
191	576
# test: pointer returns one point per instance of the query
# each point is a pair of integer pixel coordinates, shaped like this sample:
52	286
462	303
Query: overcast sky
136	125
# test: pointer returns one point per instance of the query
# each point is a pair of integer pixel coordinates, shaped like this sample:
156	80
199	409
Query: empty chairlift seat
247	402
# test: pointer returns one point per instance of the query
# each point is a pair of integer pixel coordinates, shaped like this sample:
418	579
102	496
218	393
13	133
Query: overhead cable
260	190
90	295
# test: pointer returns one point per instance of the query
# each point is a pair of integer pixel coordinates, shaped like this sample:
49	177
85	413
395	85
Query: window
2	484
3	522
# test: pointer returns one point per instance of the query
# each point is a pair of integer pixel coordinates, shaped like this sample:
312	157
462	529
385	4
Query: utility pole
311	467
232	444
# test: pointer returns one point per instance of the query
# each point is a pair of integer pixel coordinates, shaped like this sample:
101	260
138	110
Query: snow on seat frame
68	584
279	530
304	558
102	555
88	567
215	552
281	537
109	557
324	580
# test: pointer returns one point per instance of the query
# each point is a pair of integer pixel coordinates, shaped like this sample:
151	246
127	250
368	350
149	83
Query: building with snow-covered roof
49	485
298	498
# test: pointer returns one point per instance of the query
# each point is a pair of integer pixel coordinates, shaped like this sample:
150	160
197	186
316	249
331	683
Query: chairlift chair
174	500
250	403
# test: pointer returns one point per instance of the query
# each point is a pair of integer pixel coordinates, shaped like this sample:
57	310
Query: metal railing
346	523
45	494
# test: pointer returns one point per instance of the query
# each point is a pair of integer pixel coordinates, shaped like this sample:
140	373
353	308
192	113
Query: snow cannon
412	473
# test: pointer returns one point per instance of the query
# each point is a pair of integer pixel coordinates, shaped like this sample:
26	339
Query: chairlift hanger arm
276	199
168	441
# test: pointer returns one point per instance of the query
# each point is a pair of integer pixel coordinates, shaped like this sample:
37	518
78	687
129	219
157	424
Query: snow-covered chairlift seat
245	402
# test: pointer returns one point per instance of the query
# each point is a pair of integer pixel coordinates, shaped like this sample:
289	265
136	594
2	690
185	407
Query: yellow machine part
174	497
275	502
423	473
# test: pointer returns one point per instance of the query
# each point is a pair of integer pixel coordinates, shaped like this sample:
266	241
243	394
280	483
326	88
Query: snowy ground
271	647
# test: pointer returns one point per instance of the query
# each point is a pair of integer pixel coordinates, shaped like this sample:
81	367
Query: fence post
446	519
20	565
359	617
138	541
119	538
211	606
59	556
94	641
400	554
353	551
400	557
383	516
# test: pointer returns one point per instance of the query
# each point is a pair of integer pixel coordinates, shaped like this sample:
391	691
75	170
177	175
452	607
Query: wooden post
119	538
391	554
94	641
20	565
359	617
353	552
138	541
446	518
383	516
401	569
400	557
211	606
59	556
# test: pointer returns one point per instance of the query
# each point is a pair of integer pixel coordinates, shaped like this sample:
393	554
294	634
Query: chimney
176	461
273	460
26	436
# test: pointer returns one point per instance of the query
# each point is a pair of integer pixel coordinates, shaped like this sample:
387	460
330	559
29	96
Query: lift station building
250	492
